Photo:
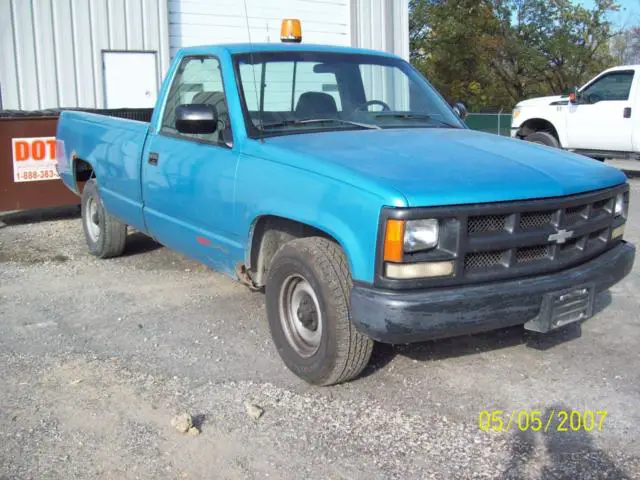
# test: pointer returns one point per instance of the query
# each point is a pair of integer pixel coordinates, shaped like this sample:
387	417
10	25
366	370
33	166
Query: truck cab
597	120
340	183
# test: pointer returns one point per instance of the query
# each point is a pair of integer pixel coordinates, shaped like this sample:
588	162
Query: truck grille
532	254
489	223
544	238
534	220
483	260
517	239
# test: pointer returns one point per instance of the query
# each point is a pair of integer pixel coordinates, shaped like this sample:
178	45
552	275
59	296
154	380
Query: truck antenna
253	70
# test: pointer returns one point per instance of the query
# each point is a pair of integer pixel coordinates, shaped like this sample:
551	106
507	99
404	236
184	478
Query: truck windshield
298	92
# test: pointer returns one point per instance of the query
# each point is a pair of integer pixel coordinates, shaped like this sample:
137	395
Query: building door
130	79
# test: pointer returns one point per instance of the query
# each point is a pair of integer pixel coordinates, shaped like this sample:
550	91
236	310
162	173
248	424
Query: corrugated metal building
79	53
51	54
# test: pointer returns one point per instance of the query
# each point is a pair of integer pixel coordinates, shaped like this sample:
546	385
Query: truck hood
540	101
438	166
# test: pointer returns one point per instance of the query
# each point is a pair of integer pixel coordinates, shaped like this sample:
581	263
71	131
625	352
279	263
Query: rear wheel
308	306
106	236
543	138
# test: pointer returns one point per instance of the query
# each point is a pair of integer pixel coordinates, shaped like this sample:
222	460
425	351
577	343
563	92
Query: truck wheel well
538	125
83	171
269	234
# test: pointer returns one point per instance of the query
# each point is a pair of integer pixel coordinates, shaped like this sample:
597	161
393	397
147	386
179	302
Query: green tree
449	44
547	46
495	53
625	47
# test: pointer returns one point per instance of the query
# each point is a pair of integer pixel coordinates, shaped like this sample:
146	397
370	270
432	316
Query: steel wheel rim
300	315
92	219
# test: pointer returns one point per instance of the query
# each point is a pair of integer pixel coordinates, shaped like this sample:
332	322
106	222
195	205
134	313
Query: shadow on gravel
568	454
198	421
441	349
40	215
140	243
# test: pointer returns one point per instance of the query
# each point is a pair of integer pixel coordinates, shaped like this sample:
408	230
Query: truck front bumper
414	316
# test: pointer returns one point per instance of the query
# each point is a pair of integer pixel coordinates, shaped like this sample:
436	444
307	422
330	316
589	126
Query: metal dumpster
27	162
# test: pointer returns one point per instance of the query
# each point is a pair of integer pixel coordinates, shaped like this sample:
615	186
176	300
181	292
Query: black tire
105	235
342	352
543	138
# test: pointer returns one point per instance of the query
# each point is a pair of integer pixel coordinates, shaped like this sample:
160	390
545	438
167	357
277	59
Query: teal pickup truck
340	182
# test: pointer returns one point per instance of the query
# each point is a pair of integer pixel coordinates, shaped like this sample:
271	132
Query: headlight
619	208
515	114
402	237
420	235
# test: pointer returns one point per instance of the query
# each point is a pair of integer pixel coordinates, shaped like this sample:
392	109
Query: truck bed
114	146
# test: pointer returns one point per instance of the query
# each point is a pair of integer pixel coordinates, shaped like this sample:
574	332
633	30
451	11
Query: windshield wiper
414	116
286	123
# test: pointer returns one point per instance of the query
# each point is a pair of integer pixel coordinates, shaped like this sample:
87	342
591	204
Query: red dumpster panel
28	178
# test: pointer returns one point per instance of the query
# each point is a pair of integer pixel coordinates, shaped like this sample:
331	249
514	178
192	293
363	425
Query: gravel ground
97	357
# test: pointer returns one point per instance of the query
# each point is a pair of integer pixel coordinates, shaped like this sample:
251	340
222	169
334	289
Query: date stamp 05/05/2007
541	421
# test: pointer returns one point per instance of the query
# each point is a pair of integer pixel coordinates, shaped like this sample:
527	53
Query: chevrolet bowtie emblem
560	236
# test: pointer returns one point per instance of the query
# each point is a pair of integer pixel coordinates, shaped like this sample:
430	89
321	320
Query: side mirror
574	95
196	118
460	109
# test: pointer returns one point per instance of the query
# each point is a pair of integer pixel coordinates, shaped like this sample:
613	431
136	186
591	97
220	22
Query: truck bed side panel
113	147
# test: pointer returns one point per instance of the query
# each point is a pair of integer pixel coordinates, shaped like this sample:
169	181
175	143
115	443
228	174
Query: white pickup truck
599	120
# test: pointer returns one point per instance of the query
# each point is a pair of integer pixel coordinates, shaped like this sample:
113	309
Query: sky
628	15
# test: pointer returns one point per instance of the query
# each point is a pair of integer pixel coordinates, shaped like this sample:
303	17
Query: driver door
602	118
189	179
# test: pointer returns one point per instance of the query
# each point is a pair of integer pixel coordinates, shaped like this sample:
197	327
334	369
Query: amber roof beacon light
291	31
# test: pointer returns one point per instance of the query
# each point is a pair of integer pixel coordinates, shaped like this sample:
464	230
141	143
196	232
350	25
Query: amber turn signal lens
291	30
394	241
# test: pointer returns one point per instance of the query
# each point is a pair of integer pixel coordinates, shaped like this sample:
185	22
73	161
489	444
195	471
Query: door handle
153	158
627	112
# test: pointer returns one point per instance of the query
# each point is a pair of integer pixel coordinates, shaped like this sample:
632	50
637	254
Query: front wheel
543	138
106	236
308	307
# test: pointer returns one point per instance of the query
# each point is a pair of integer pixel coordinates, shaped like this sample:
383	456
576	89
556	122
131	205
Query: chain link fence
499	123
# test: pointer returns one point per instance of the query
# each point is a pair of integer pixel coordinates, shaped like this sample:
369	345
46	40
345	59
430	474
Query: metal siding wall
197	22
135	24
45	61
8	68
163	24
117	25
64	57
100	26
381	25
82	51
51	50
27	70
